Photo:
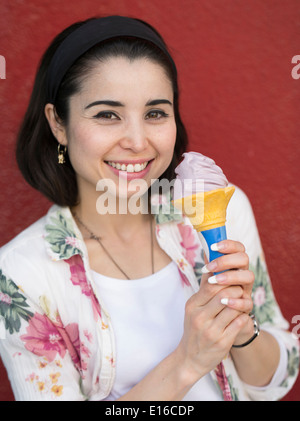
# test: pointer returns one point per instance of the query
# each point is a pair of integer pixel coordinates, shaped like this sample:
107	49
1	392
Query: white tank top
147	316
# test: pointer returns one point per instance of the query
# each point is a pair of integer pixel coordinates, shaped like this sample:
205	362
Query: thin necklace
95	237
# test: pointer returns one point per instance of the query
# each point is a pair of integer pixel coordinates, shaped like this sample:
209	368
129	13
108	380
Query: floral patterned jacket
56	338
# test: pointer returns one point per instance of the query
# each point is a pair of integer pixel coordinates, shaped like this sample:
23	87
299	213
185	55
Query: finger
238	260
228	246
224	318
208	300
204	294
212	305
243	305
233	277
233	329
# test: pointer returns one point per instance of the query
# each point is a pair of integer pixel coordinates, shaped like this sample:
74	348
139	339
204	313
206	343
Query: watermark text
296	329
133	196
2	67
296	69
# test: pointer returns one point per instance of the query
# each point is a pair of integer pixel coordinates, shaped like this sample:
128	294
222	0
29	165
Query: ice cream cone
206	210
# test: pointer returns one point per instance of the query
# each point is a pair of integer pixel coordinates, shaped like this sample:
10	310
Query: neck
120	222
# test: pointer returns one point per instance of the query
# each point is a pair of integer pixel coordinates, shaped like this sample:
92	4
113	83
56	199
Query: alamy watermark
2	67
132	196
296	329
296	69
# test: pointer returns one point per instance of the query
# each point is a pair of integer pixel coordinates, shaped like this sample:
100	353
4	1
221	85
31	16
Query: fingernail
216	279
212	280
210	267
217	246
225	301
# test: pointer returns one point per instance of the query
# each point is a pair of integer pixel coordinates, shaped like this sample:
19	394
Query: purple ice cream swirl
197	173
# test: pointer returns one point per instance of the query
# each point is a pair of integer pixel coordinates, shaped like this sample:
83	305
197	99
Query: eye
106	115
156	115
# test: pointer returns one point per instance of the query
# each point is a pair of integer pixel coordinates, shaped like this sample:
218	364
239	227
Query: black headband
90	34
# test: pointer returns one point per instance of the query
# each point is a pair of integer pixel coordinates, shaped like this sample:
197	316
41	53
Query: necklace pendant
94	237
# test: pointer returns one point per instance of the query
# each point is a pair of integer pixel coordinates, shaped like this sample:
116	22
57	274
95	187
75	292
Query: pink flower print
259	297
72	341
47	339
88	336
188	242
184	278
72	241
43	338
78	351
223	382
31	378
78	277
5	298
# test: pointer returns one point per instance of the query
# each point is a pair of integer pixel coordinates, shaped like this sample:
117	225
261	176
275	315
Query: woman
101	302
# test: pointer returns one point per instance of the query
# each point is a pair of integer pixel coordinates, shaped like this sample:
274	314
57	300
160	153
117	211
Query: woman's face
121	124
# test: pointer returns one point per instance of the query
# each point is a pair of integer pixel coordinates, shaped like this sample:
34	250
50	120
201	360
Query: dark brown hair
36	149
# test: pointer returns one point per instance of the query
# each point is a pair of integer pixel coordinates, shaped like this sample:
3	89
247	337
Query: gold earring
61	154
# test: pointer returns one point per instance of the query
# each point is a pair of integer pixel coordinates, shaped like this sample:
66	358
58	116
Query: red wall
240	104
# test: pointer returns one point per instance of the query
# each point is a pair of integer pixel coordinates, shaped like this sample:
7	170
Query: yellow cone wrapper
206	210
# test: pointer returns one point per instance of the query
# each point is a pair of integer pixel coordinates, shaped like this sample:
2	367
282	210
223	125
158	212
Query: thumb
205	259
205	276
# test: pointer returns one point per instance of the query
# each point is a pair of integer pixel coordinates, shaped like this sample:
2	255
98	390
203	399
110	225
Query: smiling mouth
129	168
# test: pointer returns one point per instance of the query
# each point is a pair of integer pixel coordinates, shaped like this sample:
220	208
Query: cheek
83	142
83	150
167	142
77	139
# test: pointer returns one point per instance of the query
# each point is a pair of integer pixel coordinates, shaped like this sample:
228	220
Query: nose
135	137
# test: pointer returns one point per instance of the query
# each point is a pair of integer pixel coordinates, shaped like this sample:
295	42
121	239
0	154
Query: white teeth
129	167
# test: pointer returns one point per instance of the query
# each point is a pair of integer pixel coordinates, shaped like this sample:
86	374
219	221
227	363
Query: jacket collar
62	236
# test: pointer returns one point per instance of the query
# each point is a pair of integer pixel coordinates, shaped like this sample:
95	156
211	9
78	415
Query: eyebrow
158	101
119	104
105	102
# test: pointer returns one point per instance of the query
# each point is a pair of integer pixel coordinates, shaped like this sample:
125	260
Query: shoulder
241	224
239	201
24	240
28	246
26	262
239	209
